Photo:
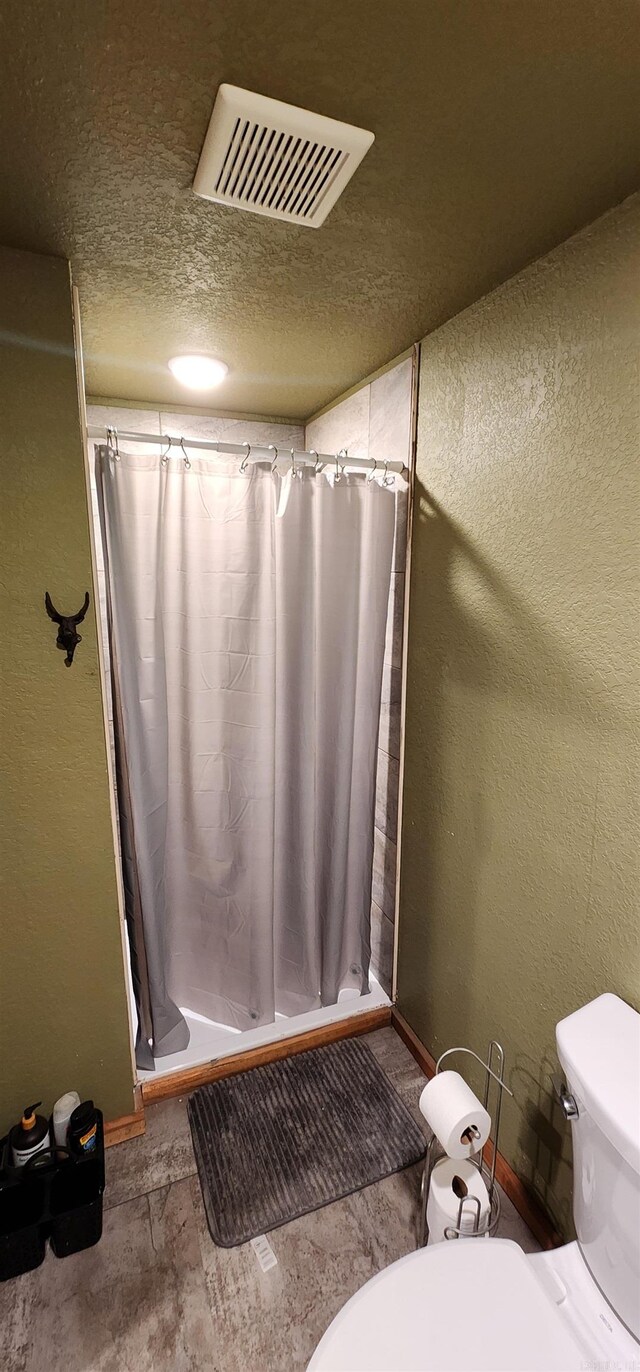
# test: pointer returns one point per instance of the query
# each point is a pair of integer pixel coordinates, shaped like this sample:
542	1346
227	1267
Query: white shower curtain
247	620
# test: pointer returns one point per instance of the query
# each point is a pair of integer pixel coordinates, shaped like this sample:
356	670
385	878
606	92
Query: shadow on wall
514	653
481	664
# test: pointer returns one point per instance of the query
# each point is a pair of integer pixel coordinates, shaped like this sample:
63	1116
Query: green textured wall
519	892
63	1019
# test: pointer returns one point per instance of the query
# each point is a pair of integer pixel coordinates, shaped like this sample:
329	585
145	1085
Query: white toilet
472	1304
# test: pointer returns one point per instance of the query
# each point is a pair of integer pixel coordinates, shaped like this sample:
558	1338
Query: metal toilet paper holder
468	1221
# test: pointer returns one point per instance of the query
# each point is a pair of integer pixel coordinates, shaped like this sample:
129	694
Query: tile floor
156	1295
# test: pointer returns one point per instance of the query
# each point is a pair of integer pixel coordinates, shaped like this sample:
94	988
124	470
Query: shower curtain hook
113	447
387	480
294	471
371	474
187	464
339	470
243	464
317	464
272	448
164	457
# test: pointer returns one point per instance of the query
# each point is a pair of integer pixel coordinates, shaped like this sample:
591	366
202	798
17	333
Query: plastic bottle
62	1112
83	1129
30	1136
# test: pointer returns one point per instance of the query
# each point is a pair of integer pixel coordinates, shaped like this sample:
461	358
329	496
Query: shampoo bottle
29	1137
82	1134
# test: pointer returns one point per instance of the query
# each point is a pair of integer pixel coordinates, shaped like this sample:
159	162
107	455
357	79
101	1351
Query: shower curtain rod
249	452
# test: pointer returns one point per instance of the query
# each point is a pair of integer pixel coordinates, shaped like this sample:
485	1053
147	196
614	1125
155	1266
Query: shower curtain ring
373	471
112	434
294	472
339	472
273	449
243	464
387	480
187	464
164	457
317	464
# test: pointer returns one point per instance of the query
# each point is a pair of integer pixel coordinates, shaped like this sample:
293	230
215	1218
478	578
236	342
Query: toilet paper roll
453	1112
451	1180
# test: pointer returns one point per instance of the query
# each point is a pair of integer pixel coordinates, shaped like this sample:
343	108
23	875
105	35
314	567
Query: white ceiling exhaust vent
262	155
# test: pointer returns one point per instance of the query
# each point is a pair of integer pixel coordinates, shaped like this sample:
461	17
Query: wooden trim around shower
524	1202
181	1083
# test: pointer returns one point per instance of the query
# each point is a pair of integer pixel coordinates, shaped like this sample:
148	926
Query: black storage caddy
49	1198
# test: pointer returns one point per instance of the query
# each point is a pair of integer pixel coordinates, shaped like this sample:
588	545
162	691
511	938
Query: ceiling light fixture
197	372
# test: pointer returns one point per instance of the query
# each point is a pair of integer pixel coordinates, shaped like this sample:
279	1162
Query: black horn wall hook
67	638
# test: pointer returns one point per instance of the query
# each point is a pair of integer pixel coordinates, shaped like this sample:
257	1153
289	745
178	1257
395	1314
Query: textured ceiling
502	126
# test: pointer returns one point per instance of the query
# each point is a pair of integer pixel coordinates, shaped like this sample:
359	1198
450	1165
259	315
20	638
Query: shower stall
251	605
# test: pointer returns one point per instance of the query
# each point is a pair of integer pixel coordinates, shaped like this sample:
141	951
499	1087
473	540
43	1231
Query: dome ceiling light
197	372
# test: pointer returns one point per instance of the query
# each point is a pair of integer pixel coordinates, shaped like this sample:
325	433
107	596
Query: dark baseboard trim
180	1083
525	1203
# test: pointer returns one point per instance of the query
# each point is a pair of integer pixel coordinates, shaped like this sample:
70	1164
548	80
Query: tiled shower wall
377	422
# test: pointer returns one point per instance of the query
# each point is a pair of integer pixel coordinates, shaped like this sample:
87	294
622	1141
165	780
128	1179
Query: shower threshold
210	1041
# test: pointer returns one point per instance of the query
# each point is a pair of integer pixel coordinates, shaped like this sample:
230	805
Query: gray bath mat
280	1140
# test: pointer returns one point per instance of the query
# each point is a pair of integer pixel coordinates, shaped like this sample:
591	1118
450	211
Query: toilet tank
599	1049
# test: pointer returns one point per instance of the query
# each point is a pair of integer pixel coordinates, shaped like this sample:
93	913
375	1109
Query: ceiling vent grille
270	158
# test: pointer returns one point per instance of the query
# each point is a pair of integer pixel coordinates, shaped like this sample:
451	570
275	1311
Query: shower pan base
211	1042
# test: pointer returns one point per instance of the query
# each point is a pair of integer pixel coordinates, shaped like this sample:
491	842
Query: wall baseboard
525	1203
180	1083
126	1127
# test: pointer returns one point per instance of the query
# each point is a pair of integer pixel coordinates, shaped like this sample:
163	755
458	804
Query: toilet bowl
467	1306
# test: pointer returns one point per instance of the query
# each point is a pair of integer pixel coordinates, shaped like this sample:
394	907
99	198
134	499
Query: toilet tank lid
599	1048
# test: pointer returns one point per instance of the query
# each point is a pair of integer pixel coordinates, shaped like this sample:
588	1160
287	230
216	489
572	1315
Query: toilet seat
467	1306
